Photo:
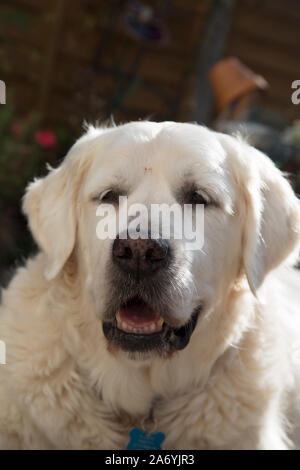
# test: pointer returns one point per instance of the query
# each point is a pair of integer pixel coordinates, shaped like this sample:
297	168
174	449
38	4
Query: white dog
103	336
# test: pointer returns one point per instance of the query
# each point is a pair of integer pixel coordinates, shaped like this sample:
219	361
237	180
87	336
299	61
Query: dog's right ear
50	204
50	207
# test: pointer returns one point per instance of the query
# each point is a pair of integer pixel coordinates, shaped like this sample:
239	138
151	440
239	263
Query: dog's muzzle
139	316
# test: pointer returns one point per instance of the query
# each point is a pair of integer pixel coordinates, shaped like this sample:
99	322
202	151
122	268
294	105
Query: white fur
234	386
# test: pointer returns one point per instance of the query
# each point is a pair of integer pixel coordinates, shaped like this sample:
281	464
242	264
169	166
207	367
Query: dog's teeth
153	327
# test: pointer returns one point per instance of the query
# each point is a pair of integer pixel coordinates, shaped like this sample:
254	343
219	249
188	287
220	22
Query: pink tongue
138	315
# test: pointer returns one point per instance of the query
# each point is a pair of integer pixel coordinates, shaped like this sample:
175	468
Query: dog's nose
141	256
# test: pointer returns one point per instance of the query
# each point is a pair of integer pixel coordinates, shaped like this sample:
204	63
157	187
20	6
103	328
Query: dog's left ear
50	207
272	226
271	214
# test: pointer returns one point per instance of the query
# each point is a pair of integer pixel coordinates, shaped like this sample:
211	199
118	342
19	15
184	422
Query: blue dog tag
140	440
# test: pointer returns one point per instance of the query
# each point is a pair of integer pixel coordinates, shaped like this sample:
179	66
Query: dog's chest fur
216	415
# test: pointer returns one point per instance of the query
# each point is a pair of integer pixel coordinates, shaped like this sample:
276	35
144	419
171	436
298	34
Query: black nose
141	256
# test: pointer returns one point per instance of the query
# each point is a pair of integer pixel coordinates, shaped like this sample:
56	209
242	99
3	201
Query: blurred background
229	64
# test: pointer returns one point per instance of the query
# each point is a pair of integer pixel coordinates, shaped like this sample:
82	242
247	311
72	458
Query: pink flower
46	139
16	128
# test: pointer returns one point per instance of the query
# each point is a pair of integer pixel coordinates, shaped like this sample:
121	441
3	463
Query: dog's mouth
137	317
137	327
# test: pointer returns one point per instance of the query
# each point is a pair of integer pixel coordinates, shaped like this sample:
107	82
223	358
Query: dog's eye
110	196
195	197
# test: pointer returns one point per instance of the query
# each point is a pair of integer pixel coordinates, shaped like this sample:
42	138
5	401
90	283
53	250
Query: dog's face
150	292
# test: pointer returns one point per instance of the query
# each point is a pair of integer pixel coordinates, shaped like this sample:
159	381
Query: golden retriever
106	335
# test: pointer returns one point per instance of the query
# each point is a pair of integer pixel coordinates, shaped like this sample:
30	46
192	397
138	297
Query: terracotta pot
230	79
